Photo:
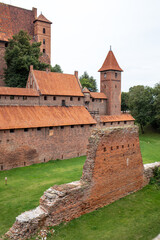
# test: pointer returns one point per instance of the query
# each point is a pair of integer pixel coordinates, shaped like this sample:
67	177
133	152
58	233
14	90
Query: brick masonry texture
57	143
113	169
13	19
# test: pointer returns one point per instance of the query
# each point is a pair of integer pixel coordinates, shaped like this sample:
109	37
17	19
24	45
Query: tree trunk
142	129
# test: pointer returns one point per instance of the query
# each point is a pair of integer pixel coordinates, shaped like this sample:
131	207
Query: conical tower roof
110	63
42	18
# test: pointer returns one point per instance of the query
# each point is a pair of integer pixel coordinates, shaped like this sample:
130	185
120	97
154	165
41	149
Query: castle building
52	118
12	20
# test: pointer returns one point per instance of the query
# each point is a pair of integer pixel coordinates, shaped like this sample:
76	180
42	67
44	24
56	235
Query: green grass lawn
150	146
133	217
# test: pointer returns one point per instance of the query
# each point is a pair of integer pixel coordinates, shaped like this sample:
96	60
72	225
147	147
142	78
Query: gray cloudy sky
83	30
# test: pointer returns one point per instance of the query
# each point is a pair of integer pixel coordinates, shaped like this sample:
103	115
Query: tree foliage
19	55
156	107
56	68
124	101
141	104
88	82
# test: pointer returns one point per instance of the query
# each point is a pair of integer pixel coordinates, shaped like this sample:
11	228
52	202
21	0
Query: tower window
44	41
44	50
44	30
115	75
71	98
105	75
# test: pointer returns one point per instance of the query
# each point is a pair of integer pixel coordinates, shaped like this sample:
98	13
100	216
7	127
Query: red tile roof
42	18
110	63
98	95
18	91
115	118
51	83
85	90
13	19
16	117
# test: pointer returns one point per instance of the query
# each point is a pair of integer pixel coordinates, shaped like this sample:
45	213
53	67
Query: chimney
47	70
31	68
76	74
34	10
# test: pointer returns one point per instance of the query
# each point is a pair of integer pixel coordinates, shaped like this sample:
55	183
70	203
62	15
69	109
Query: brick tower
110	83
42	33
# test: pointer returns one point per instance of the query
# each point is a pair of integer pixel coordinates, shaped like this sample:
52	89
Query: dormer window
44	30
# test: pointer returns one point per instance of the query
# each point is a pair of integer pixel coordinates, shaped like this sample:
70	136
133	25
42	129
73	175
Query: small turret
42	33
110	83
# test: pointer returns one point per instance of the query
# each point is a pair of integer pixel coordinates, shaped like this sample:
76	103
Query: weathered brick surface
21	148
2	63
111	86
112	170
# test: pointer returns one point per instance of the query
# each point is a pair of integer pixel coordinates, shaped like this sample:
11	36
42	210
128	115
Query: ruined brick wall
24	147
2	63
112	170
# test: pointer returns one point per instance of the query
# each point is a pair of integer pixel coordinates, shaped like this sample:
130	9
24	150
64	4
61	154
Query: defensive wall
113	169
38	134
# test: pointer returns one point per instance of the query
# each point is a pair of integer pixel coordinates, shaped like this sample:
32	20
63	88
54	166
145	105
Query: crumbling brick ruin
113	169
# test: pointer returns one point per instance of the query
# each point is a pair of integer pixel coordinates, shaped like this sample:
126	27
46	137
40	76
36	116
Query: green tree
156	105
56	68
88	82
141	105
124	101
19	55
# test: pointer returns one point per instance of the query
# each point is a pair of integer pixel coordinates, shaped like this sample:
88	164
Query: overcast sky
83	30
